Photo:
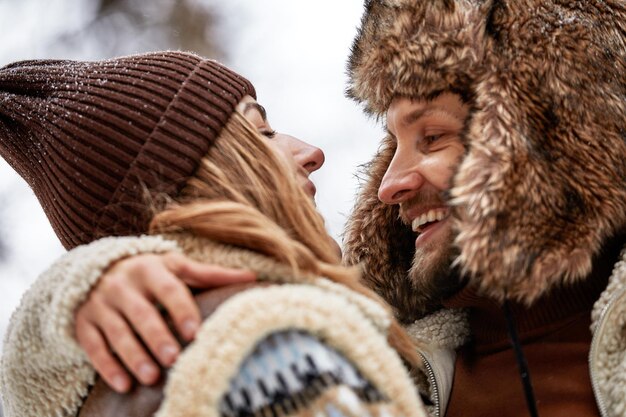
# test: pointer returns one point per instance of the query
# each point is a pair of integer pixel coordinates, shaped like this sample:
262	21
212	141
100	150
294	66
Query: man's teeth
429	216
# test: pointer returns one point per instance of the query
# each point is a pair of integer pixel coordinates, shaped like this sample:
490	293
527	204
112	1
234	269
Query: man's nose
401	181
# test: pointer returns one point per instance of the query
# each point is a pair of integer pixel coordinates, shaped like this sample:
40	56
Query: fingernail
147	372
190	327
119	383
168	353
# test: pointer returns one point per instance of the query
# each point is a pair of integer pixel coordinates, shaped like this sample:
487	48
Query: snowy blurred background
294	52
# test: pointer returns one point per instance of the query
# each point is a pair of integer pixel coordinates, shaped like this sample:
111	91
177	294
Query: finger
178	301
125	344
203	275
94	345
151	277
149	324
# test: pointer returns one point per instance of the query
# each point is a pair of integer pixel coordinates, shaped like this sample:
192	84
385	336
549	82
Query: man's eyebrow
256	106
410	119
426	111
415	115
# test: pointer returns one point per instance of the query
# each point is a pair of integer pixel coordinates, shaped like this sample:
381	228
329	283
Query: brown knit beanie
91	137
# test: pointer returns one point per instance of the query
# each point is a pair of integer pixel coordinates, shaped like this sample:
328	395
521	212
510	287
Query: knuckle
116	332
132	354
142	267
96	300
175	262
179	307
183	266
133	267
151	323
112	283
168	288
139	312
101	357
93	348
172	257
104	363
89	309
156	333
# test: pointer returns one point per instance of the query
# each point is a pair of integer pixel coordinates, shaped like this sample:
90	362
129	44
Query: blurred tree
119	27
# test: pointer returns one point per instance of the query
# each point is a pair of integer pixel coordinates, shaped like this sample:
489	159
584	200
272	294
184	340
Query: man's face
427	134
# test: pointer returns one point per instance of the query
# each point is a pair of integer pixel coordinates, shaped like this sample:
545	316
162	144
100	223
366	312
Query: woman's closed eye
267	133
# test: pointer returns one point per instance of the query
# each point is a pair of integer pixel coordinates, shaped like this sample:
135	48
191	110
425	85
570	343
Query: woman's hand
120	314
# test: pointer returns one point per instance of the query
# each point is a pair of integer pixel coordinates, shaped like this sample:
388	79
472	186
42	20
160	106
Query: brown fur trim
543	185
377	240
415	48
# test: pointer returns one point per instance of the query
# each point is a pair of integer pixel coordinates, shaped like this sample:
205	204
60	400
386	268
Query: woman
168	143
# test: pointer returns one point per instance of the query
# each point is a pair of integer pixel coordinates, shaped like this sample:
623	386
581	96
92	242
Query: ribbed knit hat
91	137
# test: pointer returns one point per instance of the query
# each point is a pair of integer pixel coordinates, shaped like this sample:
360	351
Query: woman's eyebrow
256	106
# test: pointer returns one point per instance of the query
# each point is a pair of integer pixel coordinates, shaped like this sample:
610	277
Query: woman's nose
309	157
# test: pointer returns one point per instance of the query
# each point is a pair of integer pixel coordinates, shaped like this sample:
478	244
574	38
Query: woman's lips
309	188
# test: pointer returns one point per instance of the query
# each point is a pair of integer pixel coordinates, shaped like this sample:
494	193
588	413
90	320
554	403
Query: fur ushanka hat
543	181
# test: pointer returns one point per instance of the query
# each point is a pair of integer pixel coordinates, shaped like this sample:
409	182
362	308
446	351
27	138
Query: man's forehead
406	110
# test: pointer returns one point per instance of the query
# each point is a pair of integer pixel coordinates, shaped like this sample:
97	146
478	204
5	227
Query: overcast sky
293	51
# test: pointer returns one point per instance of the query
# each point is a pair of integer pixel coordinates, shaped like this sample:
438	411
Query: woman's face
301	156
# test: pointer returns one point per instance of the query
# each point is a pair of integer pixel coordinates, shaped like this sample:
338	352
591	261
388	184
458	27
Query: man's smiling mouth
421	222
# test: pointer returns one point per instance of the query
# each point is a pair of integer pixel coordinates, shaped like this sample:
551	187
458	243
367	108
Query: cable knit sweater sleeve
43	371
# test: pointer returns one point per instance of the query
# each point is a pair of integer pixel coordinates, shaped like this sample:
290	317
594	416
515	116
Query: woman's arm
283	357
43	369
121	313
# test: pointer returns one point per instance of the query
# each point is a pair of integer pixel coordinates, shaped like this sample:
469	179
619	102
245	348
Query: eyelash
268	133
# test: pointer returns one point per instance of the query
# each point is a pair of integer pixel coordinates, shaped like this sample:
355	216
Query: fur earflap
543	183
377	239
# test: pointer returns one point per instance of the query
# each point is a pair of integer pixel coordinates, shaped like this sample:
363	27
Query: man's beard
431	277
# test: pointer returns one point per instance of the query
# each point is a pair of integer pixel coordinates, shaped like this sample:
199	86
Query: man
501	189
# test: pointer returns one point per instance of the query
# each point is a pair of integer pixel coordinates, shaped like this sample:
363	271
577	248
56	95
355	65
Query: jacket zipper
433	383
595	341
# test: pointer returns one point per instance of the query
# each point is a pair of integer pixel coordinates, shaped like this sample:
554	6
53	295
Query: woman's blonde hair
245	194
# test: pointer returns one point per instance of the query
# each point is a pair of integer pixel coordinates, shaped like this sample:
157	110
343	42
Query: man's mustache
427	198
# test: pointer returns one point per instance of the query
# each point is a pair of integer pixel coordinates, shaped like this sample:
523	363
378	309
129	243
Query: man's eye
268	133
432	138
